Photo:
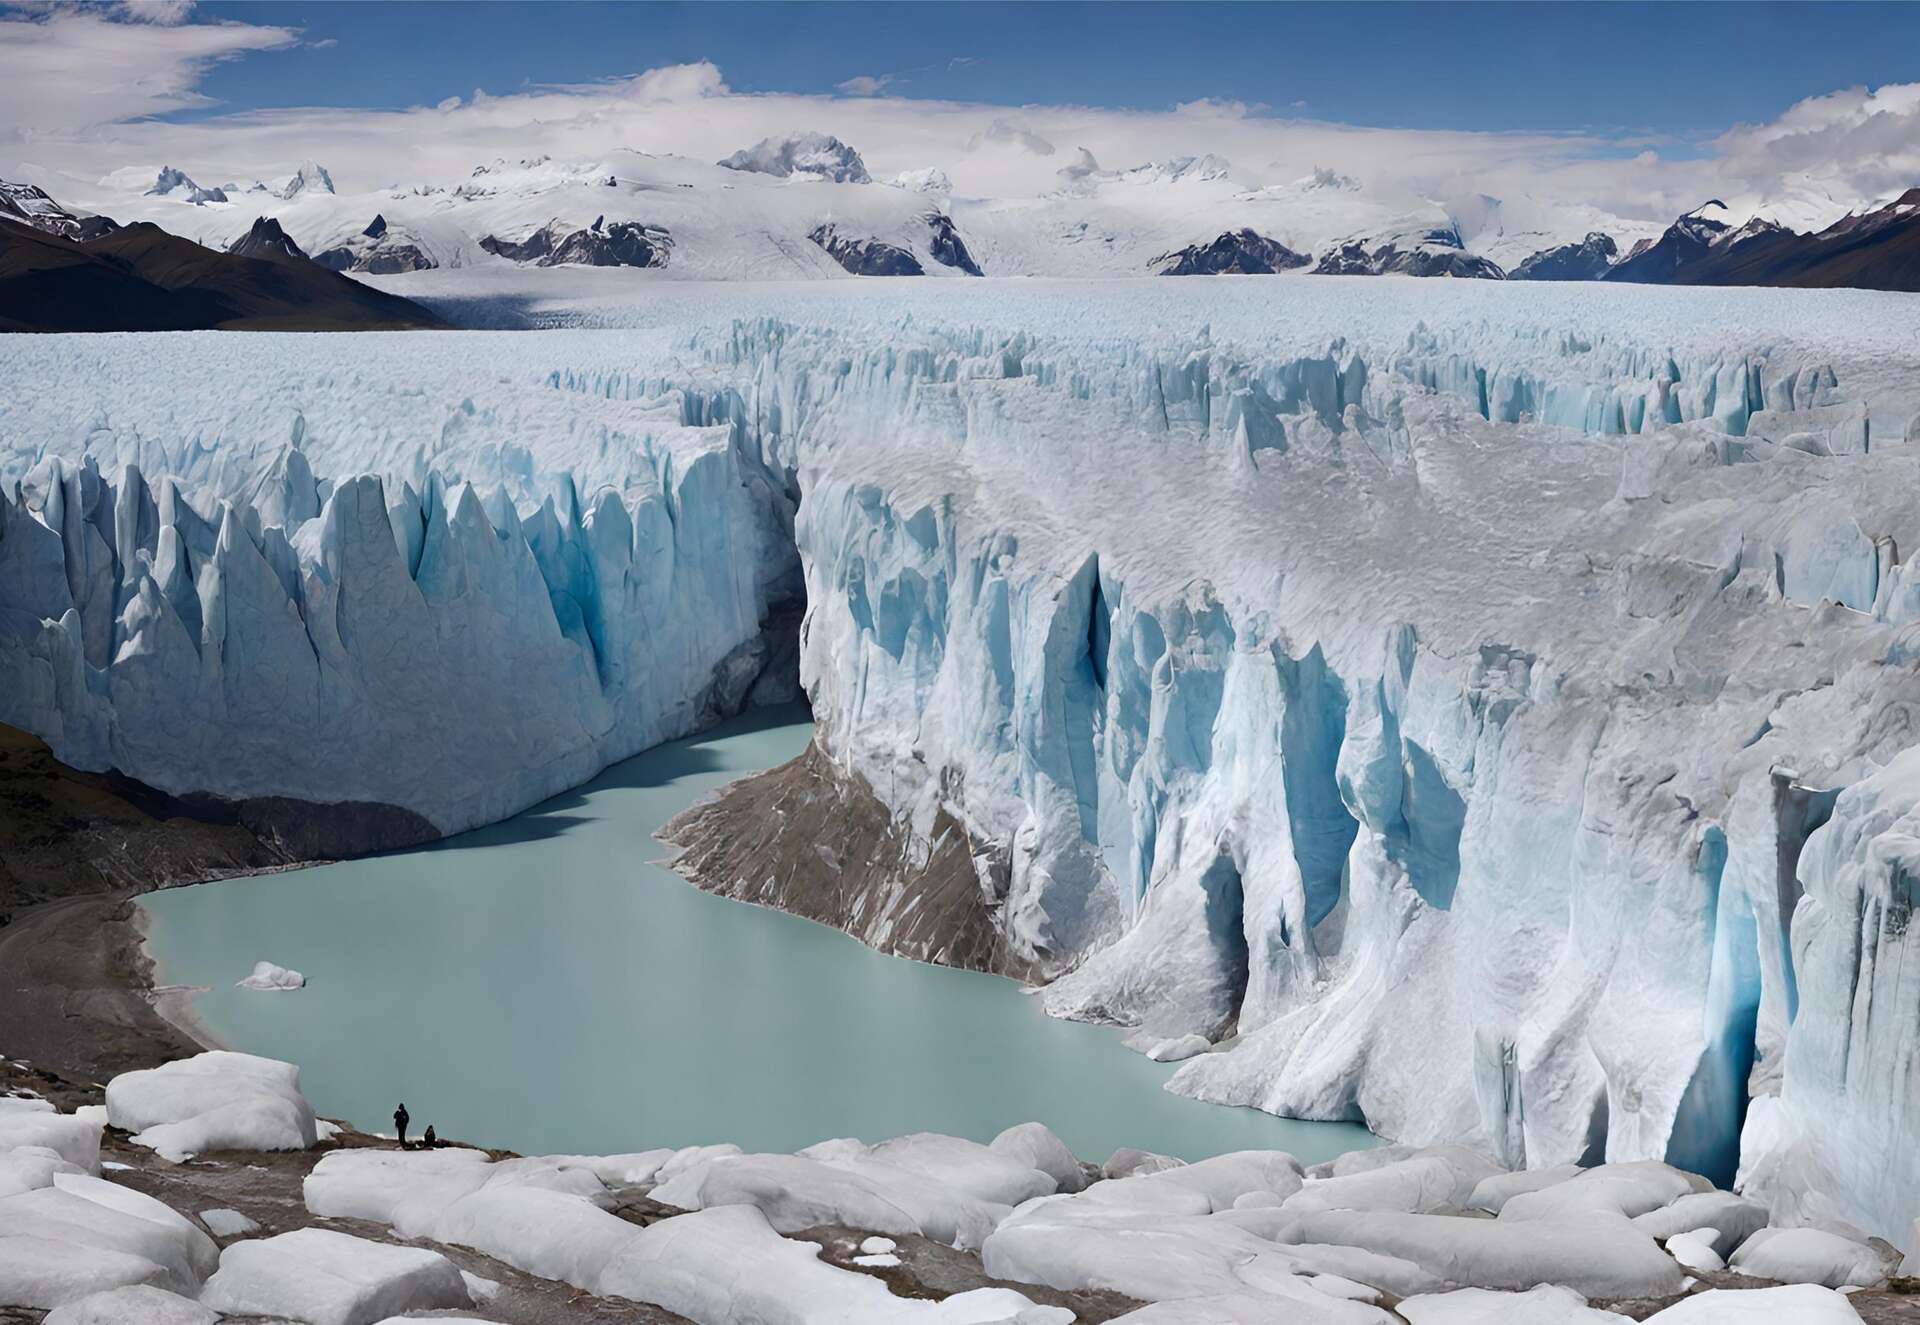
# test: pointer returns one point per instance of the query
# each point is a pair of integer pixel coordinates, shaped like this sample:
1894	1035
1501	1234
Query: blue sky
1685	70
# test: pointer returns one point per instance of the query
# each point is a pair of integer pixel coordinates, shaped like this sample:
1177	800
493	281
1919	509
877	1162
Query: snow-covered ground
1432	684
920	1228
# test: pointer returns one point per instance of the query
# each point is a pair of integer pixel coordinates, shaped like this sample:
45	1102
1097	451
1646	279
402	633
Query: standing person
400	1120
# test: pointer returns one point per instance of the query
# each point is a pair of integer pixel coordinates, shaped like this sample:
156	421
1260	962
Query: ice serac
1842	1140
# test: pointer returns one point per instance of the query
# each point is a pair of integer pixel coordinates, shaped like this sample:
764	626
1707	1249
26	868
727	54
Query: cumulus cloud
1859	140
678	82
1006	132
71	69
865	85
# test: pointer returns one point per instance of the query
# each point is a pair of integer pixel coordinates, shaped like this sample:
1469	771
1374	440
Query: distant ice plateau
1487	708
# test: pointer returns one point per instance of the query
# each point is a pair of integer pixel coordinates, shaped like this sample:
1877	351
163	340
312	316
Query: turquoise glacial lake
543	985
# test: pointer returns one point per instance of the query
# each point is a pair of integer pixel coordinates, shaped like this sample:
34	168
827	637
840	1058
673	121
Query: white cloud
677	82
1214	108
1081	167
69	70
1860	140
1004	132
865	85
76	86
165	13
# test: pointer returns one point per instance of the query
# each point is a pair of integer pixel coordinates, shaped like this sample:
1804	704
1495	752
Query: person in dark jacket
430	1141
400	1120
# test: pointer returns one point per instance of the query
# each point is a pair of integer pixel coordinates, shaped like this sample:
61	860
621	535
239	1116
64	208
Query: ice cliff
1487	719
241	627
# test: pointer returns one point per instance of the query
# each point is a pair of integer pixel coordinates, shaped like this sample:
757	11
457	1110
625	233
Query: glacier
1484	712
237	626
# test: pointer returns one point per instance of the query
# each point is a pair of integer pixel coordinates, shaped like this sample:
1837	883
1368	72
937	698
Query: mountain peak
818	154
266	240
312	177
931	180
31	205
1201	168
1324	177
171	183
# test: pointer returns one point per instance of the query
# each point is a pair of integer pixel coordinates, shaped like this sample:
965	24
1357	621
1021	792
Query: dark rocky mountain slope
140	278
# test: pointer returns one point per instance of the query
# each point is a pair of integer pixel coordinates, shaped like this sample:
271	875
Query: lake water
541	985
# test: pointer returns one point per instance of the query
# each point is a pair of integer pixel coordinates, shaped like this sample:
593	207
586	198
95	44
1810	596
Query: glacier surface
1483	709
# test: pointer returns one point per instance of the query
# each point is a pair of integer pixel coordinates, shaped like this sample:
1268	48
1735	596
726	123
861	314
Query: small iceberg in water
268	976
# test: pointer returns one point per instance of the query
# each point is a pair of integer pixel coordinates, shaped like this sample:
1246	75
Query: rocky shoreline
811	839
76	992
206	1190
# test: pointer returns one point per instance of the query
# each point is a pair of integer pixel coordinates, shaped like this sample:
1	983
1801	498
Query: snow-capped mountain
171	183
1412	251
764	212
311	177
620	244
1688	240
930	180
1174	169
1586	261
30	205
377	250
1512	231
820	155
1083	175
1800	203
1239	252
1876	249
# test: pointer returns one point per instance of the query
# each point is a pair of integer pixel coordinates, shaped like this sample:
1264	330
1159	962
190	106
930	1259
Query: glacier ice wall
409	641
1457	709
1460	772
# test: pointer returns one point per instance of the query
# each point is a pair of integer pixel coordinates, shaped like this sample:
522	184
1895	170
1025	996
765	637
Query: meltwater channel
543	985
